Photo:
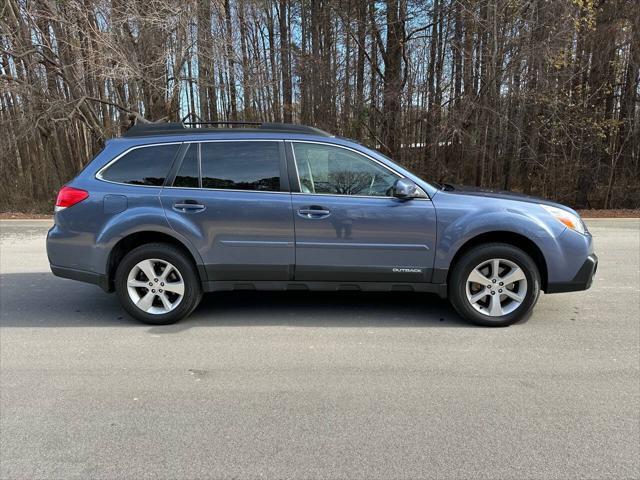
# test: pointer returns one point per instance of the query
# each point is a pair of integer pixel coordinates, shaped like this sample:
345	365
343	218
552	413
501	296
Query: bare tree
532	95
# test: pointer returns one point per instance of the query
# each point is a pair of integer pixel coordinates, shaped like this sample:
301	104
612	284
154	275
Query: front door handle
188	206
314	212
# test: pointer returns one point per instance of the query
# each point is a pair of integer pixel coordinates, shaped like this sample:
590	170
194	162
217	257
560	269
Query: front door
232	200
349	227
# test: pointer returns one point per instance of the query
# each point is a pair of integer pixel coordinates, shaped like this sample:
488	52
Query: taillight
68	196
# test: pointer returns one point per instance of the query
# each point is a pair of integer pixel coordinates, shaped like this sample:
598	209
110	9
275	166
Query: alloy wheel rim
155	286
496	287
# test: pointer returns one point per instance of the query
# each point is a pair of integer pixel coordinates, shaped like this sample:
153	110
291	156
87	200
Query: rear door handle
314	212
188	206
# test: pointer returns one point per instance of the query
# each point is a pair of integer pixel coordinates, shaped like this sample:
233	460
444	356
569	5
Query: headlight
568	219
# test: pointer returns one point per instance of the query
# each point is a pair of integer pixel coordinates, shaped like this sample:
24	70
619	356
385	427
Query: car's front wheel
157	284
494	285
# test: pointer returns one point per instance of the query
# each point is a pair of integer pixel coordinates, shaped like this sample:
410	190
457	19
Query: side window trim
98	175
282	166
298	190
200	165
285	181
292	168
171	178
175	168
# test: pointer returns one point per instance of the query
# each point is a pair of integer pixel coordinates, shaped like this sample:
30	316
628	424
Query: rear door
231	199
348	226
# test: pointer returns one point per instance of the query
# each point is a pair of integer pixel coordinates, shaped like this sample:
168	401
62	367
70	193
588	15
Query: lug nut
499	291
153	291
161	290
493	293
150	284
488	286
161	284
501	283
494	280
156	280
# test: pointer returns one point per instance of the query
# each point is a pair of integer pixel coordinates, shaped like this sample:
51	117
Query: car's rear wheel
157	284
494	285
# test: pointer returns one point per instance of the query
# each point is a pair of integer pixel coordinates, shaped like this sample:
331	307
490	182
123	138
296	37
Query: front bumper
582	280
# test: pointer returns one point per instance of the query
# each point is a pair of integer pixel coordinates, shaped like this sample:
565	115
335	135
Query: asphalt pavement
306	385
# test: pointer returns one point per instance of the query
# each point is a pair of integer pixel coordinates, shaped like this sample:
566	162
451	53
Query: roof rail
294	128
180	128
230	123
144	129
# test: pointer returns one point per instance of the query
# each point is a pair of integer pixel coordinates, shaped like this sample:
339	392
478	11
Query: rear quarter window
142	166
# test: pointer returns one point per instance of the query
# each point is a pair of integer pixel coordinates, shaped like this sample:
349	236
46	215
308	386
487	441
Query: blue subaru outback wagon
167	212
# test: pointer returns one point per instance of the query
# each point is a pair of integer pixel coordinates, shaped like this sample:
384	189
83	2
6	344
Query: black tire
474	257
175	256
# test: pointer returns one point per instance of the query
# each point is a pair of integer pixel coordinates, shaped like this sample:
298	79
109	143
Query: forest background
536	96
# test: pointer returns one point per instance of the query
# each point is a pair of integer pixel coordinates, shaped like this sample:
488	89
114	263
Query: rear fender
137	220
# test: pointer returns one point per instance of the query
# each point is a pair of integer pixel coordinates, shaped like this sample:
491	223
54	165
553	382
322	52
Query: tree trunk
285	54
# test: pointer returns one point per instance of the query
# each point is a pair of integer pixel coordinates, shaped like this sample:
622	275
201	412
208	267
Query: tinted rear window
143	166
241	165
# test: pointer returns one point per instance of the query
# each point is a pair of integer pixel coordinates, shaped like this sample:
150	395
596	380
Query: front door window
326	169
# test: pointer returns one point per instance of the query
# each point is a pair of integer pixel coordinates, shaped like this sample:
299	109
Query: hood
501	194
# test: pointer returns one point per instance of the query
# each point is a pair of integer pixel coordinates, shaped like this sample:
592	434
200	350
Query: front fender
461	219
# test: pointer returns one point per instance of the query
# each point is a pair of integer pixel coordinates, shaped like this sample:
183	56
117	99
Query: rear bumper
582	280
82	276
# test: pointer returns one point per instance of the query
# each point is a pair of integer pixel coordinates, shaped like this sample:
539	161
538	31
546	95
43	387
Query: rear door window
142	166
241	165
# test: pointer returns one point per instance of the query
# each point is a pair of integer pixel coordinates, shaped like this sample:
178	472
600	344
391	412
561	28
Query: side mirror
405	189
